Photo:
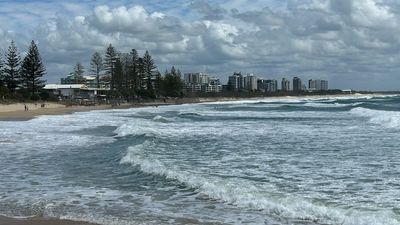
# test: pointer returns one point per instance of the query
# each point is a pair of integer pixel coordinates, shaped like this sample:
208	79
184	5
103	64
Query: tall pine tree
148	64
79	70
96	64
172	83
109	64
11	69
32	70
1	72
134	69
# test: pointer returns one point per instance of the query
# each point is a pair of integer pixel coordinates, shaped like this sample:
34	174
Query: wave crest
390	119
246	195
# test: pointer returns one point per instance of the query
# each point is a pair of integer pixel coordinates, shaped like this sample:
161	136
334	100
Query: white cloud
369	13
333	38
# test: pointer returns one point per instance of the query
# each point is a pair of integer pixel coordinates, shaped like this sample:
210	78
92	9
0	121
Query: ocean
320	160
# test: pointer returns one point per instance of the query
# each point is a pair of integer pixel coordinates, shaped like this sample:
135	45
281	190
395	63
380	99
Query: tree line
131	75
22	77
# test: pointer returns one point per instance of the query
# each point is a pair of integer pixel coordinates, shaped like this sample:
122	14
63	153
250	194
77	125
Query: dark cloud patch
340	40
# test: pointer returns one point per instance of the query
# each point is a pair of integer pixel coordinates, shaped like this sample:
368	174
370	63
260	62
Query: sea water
327	160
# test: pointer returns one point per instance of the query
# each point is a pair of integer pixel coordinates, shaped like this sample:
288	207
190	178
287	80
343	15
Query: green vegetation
21	79
130	75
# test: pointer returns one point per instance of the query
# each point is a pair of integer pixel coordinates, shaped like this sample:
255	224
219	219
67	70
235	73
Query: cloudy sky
352	43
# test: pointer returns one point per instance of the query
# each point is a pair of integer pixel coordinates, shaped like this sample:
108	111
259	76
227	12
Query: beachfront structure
250	82
75	91
89	81
317	85
267	85
272	85
236	81
199	82
297	85
285	84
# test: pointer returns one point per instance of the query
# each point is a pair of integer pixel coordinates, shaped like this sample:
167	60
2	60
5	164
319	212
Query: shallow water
269	161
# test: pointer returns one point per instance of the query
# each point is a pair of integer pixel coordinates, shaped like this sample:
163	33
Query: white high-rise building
251	82
285	85
318	85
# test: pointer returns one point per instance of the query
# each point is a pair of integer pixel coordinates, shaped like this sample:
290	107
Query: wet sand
38	221
16	111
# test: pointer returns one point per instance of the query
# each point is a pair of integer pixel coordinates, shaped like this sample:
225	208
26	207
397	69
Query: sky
351	43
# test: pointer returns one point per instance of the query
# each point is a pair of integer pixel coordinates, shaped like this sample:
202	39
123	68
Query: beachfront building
236	81
267	85
317	85
199	82
272	85
75	91
297	85
285	84
250	82
89	81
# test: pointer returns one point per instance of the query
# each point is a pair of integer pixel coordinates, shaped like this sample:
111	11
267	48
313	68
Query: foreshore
38	221
16	111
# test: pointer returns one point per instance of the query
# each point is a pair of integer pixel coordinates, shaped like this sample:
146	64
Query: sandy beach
16	111
38	221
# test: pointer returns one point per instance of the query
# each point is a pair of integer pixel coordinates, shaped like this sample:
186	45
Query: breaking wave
244	194
390	119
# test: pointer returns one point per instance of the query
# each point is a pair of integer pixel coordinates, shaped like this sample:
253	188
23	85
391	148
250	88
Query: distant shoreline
16	112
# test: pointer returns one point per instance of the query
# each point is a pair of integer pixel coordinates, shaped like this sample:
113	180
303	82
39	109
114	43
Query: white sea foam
161	119
390	119
247	195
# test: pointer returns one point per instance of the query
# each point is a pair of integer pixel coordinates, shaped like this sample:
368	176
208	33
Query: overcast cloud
352	43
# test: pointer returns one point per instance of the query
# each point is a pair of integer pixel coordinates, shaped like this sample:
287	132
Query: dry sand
17	111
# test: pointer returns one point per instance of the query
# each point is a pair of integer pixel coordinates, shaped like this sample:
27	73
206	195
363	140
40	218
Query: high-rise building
192	78
251	82
318	85
285	84
237	81
297	86
272	86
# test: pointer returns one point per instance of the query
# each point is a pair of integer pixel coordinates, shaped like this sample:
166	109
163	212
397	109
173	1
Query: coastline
39	221
16	112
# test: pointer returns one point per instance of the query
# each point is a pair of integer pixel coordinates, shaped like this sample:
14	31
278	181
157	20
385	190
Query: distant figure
25	108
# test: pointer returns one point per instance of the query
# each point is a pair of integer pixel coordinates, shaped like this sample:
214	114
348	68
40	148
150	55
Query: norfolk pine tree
133	69
109	64
11	68
96	64
32	70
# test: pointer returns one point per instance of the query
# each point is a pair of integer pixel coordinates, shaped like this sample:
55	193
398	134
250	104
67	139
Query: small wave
246	195
136	130
390	119
161	119
189	114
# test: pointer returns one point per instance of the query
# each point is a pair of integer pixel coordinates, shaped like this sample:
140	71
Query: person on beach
25	107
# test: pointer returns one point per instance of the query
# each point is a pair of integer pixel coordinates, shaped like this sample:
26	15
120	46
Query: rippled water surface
333	160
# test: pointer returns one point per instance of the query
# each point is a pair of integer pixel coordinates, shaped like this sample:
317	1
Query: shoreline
5	220
16	112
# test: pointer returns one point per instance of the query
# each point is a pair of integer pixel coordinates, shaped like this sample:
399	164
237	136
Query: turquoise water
286	160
